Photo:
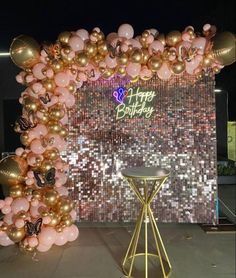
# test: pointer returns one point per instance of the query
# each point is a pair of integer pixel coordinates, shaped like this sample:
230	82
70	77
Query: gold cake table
146	182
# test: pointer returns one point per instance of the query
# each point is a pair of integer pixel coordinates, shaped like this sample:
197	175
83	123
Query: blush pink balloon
19	223
37	71
6	209
155	46
70	101
33	241
76	43
61	239
200	44
145	73
39	130
193	64
36	147
34	203
62	79
5	240
164	72
35	211
83	34
110	62
126	31
135	43
64	120
29	181
73	214
8	200
72	232
20	204
2	204
46	220
47	236
133	69
62	190
8	218
186	37
111	36
43	248
19	151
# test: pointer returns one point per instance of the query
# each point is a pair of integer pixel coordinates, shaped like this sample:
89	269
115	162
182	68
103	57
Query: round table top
145	172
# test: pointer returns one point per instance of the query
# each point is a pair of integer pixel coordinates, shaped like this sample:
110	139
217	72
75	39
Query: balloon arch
39	213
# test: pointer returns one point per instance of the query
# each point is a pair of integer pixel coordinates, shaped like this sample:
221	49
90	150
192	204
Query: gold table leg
146	217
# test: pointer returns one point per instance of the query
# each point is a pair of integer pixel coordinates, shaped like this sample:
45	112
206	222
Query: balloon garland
38	213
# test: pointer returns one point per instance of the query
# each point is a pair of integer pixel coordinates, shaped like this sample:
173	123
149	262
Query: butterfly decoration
45	179
120	94
187	54
33	228
90	74
45	99
47	141
53	50
24	123
114	50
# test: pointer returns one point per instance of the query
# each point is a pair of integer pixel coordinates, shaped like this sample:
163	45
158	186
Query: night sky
44	20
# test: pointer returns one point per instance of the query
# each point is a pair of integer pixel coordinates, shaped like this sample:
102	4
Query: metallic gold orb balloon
82	59
136	55
30	104
56	112
25	51
63	132
145	56
121	71
49	84
59	228
72	87
16	190
102	48
36	194
50	197
57	65
66	220
54	126
24	138
46	165
207	61
64	37
64	205
98	58
178	67
91	49
162	39
223	49
22	215
55	219
3	227
12	170
122	59
107	73
173	38
154	63
51	154
15	234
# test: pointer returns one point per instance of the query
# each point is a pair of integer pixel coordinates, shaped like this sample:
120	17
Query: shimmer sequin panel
117	124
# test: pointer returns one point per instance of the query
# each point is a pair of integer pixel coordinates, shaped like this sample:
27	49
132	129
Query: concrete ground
100	248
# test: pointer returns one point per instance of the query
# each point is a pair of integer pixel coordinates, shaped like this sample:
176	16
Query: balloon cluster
38	212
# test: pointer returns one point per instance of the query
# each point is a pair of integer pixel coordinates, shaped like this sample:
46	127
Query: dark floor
100	249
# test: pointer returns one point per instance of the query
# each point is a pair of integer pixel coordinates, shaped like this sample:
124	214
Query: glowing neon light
120	94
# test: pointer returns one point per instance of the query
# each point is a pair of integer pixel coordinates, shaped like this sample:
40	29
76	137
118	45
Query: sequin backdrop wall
180	136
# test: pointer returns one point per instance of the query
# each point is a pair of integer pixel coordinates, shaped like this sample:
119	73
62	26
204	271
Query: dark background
44	20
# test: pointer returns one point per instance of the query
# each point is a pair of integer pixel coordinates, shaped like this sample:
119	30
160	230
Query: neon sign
134	102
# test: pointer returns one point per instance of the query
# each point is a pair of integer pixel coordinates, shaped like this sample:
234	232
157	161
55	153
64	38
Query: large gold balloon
64	37
51	154
122	59
81	59
49	84
50	197
16	191
30	104
224	48
178	67
54	126
136	55
154	63
55	219
66	220
56	112
102	48
64	205
13	170
91	49
173	38
15	234
25	52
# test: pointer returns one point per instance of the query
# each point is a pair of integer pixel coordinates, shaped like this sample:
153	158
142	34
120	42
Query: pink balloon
8	218
145	73
61	238
70	101
20	204
6	209
37	71
35	211
73	214
39	130
62	190
83	34
72	232
19	151
200	44
29	181
64	120
164	72
5	240
19	223
46	220
193	64
207	27
76	43
2	204
110	37
33	241
135	43
47	236
133	69
43	248
110	62
8	200
155	46
34	203
36	147
59	142
62	79
126	31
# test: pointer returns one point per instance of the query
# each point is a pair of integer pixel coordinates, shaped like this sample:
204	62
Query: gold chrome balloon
145	56
136	55
16	191
24	138
36	194
154	63
64	205
30	104
56	112
162	39
50	197
91	49
15	234
57	65
66	220
64	37
55	219
54	126
223	49
102	48
48	84
51	154
25	51
178	67
173	38
122	59
13	170
82	59
46	165
63	132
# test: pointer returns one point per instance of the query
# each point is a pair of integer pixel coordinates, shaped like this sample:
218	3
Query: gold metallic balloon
162	39
57	65
107	73
72	87
178	67
25	51
4	227
66	220
59	228
91	49
16	191
36	194
46	165
55	219
173	38
82	59
122	59
145	56
154	63
64	205
30	104
64	37
49	84
22	215
56	112
24	138
136	55
98	58
51	154
207	61
12	170
50	197
63	132
15	234
121	71
54	126
223	49
102	48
